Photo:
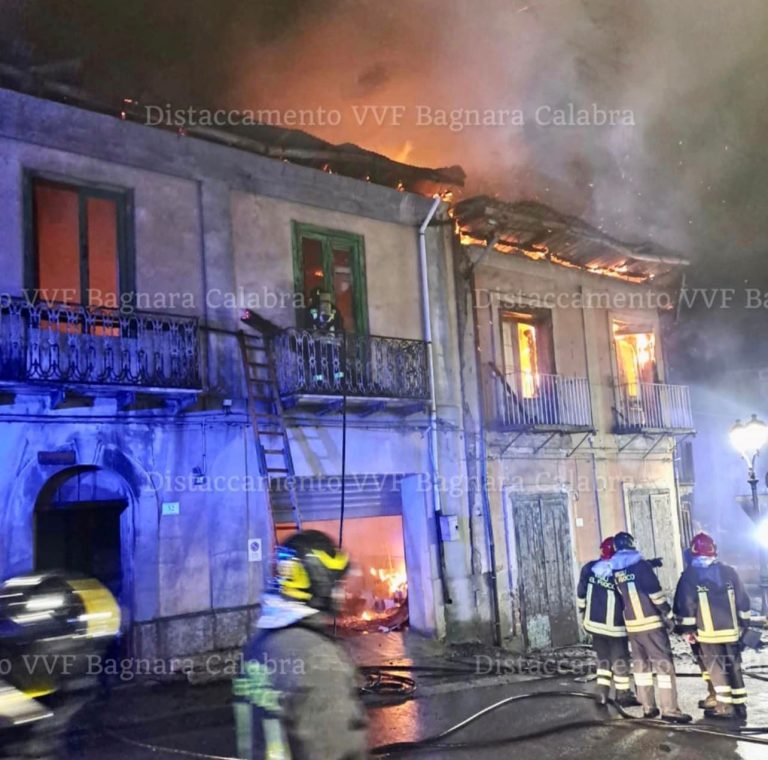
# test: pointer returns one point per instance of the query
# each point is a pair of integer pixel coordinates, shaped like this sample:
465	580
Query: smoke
688	172
686	71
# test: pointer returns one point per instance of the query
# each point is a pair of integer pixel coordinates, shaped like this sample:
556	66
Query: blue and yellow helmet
309	565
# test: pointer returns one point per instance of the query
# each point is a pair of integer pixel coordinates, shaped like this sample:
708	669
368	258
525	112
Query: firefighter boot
676	716
626	698
741	712
710	703
721	712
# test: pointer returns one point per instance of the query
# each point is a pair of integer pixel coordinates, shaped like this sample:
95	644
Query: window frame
653	329
538	318
329	238
126	253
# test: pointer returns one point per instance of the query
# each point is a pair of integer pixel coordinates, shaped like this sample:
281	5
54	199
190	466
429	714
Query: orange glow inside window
529	369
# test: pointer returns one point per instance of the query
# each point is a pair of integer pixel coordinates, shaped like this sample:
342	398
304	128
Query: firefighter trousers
612	662
652	653
696	652
723	662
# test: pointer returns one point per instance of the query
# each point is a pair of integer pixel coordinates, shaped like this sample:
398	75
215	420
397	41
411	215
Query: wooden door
651	522
542	533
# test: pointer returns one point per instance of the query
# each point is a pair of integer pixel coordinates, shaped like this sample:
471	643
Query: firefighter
649	620
329	341
54	627
712	605
297	695
710	701
603	618
322	313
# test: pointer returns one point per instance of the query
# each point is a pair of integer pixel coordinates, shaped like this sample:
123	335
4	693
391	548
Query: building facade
571	426
128	257
490	403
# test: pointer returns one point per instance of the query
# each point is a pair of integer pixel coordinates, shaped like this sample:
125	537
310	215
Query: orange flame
396	580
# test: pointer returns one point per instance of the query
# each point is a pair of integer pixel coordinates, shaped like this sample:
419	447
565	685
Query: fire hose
624	720
386	682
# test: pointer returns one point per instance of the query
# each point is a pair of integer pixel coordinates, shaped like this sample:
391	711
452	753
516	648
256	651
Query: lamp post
748	438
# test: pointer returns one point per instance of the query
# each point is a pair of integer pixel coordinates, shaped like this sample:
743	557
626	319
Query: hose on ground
625	720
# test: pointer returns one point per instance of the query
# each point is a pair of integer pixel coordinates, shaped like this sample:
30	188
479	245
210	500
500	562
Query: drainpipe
482	454
434	460
590	373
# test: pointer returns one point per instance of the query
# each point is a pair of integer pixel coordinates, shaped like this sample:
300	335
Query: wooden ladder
265	409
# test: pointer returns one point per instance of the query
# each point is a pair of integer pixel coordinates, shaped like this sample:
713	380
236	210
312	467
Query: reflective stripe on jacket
600	604
645	605
713	602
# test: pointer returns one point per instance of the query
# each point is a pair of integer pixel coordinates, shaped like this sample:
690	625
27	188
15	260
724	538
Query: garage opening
377	586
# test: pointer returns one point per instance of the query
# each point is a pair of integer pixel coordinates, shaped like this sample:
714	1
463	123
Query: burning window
635	355
77	243
527	346
332	262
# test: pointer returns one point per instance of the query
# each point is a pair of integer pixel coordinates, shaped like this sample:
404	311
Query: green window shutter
330	240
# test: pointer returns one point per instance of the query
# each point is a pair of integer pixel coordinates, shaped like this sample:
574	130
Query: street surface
197	719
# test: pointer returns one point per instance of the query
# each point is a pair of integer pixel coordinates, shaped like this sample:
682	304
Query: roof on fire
281	143
538	231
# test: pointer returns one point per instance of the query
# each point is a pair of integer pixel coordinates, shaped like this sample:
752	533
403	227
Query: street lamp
748	438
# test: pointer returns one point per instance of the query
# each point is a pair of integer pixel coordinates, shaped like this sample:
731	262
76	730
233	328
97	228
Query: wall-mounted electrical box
449	527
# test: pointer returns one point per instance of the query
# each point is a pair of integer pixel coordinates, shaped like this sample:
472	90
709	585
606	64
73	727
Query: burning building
490	402
570	423
155	440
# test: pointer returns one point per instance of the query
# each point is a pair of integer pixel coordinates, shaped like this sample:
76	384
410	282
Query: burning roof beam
540	232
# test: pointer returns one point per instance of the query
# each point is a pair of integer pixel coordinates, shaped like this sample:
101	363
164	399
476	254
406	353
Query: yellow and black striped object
50	623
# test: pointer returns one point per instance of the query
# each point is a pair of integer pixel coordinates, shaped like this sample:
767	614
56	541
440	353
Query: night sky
690	173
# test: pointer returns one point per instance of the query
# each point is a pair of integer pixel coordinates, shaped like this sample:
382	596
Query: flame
403	155
644	343
539	251
396	580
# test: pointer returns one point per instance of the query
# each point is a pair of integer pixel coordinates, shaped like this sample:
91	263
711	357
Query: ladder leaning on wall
265	409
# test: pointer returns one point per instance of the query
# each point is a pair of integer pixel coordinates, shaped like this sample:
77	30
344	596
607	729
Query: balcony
63	345
315	365
653	408
541	402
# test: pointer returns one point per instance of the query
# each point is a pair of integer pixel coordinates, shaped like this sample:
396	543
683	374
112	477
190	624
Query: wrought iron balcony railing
71	344
527	401
653	406
336	364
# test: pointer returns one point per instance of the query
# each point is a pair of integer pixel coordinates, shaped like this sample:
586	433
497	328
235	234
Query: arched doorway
79	516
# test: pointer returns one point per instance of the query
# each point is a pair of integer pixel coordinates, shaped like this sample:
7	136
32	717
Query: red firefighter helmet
607	548
703	545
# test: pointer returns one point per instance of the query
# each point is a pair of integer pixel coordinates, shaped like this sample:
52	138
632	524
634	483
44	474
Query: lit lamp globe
762	533
749	437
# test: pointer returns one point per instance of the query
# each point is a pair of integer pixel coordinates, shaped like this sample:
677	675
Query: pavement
173	719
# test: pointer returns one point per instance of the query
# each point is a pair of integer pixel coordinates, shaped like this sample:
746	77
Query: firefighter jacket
711	600
599	602
297	696
645	606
